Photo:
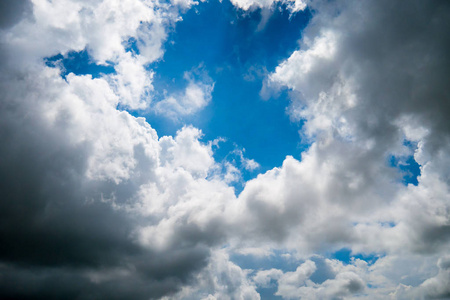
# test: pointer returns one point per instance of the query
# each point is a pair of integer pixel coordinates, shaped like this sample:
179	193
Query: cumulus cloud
95	201
75	169
132	82
75	177
364	81
221	279
364	88
437	287
319	279
297	285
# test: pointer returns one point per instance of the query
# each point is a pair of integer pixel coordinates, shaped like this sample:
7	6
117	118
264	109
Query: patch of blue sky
237	53
131	45
268	293
388	224
345	255
407	165
236	50
79	63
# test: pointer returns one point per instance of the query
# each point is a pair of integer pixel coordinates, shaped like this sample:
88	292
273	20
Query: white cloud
438	286
248	164
87	172
385	279
362	88
132	82
187	152
196	96
264	277
292	5
346	281
289	282
221	279
101	26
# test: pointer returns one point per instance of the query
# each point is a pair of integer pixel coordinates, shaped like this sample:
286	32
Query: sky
234	149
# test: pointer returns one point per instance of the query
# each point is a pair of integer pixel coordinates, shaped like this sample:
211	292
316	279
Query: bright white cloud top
96	204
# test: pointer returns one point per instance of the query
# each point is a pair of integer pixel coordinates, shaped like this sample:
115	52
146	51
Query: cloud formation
75	169
96	205
292	5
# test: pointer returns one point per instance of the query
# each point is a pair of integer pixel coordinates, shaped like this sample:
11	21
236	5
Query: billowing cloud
365	86
74	173
365	81
74	168
221	279
293	285
95	204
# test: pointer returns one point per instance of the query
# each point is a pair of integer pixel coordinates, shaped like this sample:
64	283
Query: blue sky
232	48
236	50
225	43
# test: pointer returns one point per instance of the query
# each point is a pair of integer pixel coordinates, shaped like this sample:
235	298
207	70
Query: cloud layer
96	205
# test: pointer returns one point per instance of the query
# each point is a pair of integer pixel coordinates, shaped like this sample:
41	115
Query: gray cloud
58	227
72	168
11	12
369	75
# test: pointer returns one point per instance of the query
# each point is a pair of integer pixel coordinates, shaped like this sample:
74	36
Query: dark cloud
71	171
367	76
57	227
45	205
12	11
60	283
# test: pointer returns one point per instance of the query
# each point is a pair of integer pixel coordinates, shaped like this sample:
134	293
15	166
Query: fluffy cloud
221	279
438	286
95	201
295	285
75	169
132	82
365	80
